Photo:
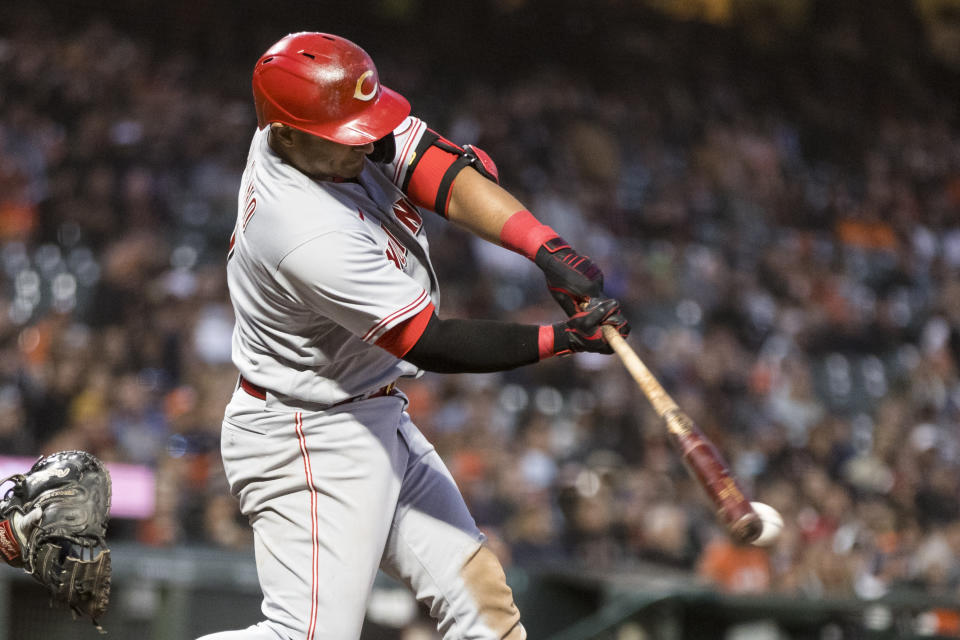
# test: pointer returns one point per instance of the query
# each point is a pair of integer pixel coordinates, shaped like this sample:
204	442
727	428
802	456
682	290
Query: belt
259	392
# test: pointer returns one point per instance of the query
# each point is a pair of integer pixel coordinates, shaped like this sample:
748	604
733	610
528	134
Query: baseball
772	524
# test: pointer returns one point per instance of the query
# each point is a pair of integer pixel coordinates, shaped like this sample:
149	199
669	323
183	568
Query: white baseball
772	524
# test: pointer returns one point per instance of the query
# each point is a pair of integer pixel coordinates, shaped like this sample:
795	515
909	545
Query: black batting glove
582	331
571	277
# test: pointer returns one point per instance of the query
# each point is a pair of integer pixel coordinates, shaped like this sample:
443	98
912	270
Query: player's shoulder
322	221
286	219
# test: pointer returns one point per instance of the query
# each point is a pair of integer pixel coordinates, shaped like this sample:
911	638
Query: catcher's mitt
53	522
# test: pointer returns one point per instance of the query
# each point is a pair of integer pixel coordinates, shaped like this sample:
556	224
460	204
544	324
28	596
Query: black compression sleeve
474	346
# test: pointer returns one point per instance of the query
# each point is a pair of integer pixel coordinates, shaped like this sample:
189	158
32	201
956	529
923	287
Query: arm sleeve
425	165
474	346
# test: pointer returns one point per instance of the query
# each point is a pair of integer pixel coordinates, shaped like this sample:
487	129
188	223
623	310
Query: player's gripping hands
583	330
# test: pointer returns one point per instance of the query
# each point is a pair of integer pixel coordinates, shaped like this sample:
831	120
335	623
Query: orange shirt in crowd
735	569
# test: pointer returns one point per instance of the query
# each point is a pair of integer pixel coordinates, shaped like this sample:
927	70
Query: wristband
553	340
524	234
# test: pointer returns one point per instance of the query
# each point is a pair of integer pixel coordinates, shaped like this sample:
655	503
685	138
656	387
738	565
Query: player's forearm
481	206
475	346
481	346
489	211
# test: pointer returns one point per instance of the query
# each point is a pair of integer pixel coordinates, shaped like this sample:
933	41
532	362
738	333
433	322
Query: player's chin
345	173
353	169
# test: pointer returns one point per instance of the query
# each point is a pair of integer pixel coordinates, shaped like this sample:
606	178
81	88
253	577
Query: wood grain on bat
697	452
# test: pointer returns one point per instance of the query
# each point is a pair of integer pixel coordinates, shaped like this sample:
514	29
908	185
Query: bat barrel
699	455
704	461
746	528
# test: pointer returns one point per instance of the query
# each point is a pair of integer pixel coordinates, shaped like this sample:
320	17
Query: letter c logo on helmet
359	94
327	86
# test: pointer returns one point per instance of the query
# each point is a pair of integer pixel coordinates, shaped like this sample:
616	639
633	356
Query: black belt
259	392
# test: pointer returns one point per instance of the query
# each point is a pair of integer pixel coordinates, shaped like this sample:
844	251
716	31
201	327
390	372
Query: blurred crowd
779	215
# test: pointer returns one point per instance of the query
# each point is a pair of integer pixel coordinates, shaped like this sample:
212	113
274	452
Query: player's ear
281	134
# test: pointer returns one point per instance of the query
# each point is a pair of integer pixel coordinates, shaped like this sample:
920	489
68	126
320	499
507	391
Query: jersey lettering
248	213
250	198
395	251
408	216
249	208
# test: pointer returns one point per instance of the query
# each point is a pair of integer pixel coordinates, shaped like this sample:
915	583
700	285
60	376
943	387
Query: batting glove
582	331
571	277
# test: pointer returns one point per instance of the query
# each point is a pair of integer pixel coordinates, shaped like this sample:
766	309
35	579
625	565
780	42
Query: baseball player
335	300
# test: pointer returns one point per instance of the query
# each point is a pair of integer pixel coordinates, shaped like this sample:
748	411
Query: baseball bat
699	454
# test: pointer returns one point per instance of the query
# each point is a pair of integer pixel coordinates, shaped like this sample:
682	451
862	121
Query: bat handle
659	398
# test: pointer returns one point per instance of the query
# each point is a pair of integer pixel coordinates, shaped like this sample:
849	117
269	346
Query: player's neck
278	148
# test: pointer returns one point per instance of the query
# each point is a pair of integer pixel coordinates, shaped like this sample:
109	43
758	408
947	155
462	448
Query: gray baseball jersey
320	271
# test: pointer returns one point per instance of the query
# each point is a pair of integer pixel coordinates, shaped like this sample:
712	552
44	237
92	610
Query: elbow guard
482	162
436	164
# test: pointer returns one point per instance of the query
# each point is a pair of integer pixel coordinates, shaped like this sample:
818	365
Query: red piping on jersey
402	158
393	316
410	122
308	473
401	338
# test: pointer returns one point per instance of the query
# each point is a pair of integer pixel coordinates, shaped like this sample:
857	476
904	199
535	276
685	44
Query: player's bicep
349	279
426	164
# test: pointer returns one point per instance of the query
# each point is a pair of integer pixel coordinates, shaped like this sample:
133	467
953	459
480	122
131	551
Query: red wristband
545	341
525	234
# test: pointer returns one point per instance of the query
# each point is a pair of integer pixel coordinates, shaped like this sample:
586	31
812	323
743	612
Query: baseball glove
53	522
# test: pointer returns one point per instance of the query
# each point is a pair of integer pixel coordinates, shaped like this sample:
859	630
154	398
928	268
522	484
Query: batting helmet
327	86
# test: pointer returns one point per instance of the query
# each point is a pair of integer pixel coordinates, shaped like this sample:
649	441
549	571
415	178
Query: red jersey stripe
314	583
393	316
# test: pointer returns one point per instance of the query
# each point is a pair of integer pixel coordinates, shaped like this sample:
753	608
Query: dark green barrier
612	611
179	594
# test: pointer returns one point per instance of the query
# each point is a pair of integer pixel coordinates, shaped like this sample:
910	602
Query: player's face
317	157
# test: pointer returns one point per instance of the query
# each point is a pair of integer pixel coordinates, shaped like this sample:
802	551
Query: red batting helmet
325	85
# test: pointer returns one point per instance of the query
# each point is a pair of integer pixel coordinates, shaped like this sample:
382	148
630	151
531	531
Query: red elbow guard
436	164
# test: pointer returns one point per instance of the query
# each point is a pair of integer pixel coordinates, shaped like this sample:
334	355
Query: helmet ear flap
384	149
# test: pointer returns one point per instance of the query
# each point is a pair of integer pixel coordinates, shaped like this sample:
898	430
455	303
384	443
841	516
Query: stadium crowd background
776	200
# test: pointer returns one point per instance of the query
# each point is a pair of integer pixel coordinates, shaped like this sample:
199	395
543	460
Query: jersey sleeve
346	277
407	137
425	165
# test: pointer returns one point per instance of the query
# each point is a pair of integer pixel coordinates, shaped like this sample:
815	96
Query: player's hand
571	277
582	331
